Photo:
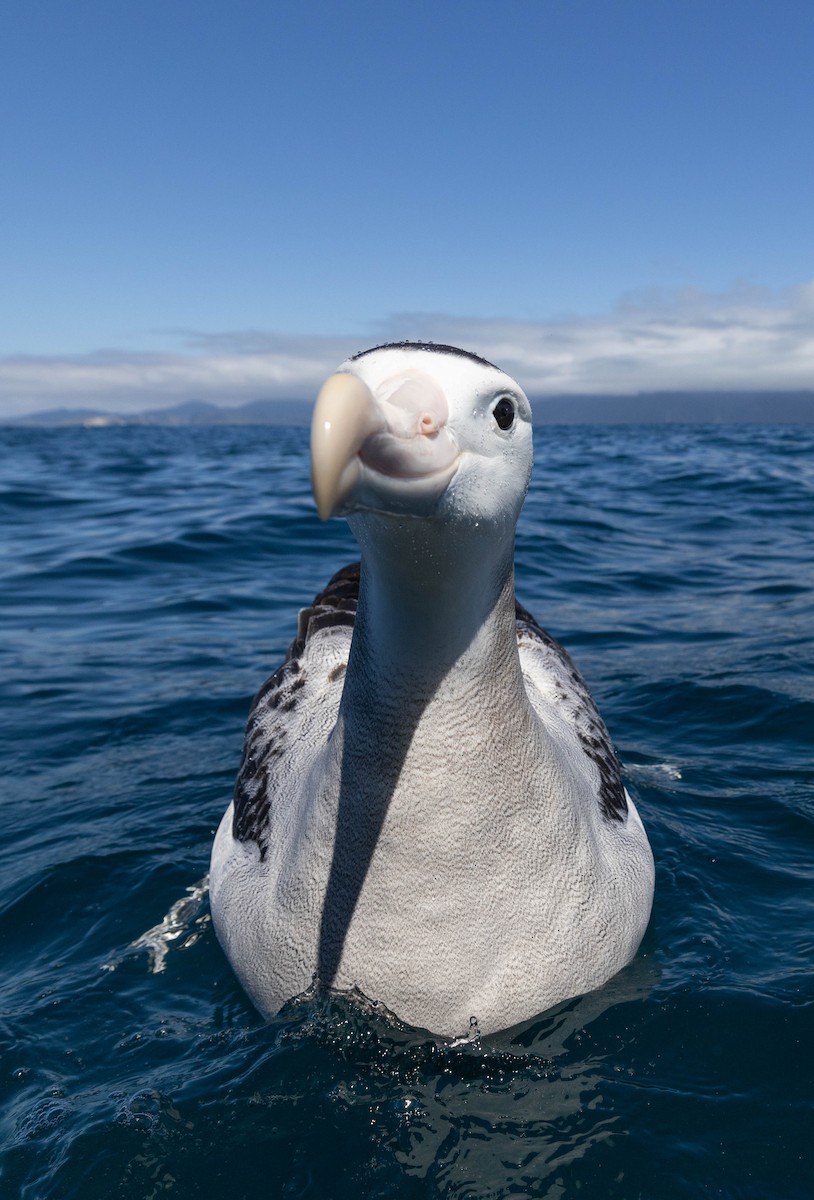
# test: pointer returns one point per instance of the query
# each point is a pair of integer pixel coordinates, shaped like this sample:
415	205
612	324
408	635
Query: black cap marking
435	347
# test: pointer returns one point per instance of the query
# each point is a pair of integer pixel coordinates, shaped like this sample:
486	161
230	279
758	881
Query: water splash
183	919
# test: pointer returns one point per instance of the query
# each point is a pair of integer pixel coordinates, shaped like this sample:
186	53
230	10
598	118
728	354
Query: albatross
429	809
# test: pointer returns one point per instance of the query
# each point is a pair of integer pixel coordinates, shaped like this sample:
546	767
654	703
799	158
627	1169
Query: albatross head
416	430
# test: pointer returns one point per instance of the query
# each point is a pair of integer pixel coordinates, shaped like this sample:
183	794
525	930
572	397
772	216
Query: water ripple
150	582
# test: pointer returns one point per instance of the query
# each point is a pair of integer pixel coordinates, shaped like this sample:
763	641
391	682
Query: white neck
435	619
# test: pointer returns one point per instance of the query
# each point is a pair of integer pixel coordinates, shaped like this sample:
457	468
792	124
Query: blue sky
221	200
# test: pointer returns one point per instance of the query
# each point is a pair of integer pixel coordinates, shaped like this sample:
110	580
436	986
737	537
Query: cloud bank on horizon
745	340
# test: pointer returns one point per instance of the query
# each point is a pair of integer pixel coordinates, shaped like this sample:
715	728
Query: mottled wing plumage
312	674
305	690
565	706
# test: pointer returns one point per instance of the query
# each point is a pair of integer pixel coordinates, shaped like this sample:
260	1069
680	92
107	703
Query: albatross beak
392	450
345	415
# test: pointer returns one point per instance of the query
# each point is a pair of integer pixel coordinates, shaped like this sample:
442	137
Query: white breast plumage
429	808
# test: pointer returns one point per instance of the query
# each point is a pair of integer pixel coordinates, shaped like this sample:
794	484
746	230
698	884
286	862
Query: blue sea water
150	583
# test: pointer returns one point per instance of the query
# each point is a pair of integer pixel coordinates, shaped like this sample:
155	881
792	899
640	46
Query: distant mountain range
717	408
191	412
690	408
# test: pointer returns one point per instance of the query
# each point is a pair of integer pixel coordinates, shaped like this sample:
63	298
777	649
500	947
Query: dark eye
503	412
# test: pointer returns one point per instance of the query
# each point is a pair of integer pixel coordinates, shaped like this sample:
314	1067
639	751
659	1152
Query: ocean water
150	580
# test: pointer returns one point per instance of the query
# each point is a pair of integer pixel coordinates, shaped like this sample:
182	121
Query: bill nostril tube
413	405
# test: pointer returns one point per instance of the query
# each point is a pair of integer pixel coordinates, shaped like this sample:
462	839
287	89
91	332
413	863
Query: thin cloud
744	340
